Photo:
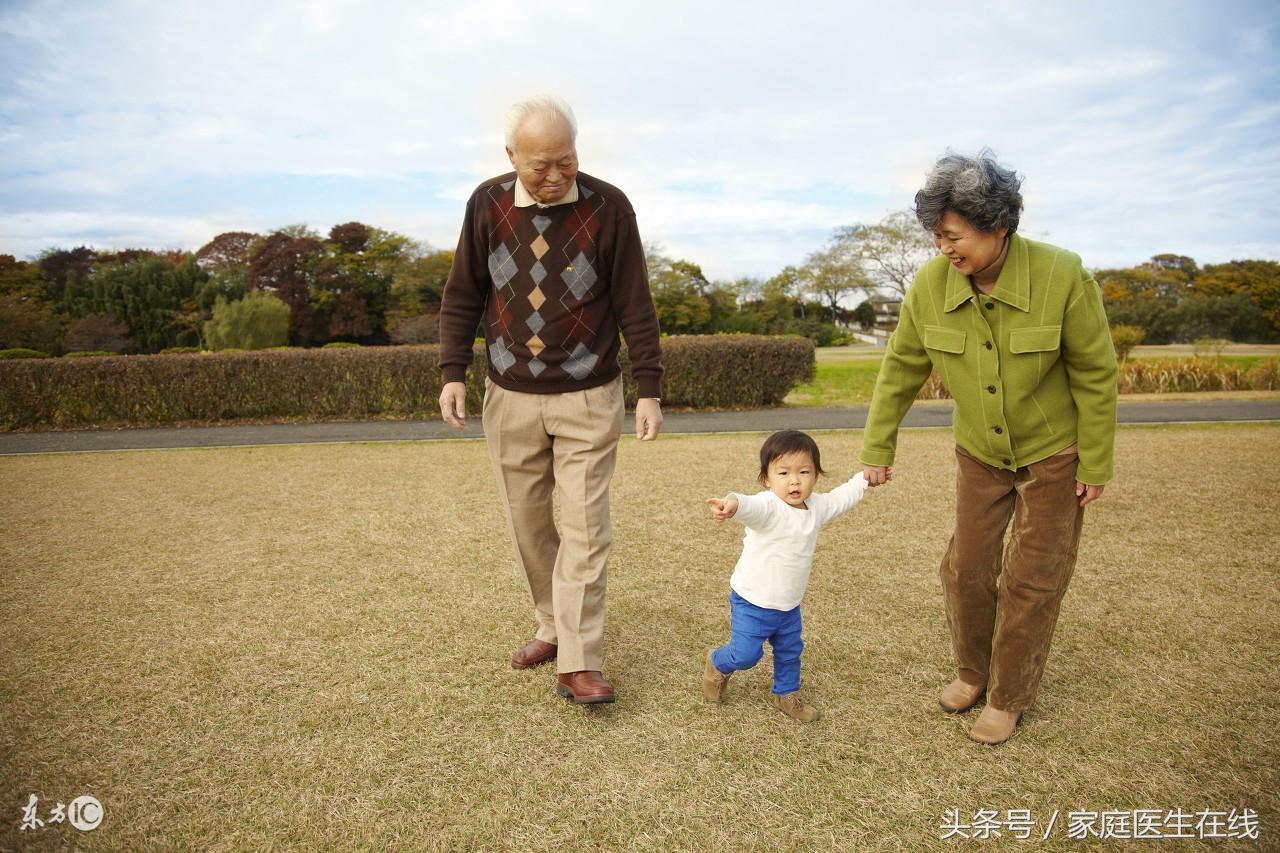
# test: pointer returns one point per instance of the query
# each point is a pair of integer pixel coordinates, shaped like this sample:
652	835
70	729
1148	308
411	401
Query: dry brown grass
306	648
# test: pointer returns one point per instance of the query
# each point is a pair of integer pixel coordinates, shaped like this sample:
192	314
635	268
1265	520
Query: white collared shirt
525	199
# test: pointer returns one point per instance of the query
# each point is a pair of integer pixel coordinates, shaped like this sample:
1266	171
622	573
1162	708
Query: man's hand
453	404
648	418
1088	494
877	475
722	508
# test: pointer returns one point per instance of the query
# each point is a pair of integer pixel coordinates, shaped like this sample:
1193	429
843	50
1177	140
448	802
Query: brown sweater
554	286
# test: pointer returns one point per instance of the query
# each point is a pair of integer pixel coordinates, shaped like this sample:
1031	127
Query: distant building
887	309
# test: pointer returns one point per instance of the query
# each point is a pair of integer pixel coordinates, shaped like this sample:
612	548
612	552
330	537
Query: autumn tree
1148	295
283	265
98	333
1252	288
831	275
888	253
26	320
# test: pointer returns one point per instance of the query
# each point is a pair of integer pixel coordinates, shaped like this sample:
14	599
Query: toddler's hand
722	508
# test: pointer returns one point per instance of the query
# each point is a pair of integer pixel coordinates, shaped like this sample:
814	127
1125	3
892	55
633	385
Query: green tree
150	294
258	321
679	295
865	314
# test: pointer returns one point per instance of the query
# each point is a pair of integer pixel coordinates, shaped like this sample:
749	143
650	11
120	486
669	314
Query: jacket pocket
1039	339
944	339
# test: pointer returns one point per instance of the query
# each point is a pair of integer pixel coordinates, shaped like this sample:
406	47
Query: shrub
729	371
171	350
339	345
146	390
1206	347
88	353
19	352
353	382
1125	338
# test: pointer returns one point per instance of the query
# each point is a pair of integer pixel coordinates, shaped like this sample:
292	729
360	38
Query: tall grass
841	382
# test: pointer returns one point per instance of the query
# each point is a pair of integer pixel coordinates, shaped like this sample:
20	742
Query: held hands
722	508
877	475
453	404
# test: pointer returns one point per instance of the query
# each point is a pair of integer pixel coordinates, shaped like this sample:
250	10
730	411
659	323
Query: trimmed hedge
731	371
721	372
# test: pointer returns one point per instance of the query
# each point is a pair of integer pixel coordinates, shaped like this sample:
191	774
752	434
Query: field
306	647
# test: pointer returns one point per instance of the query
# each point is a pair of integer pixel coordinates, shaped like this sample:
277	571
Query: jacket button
991	389
987	344
990	305
999	430
1007	462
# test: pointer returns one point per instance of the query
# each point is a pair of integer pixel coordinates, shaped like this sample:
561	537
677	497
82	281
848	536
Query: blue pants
752	626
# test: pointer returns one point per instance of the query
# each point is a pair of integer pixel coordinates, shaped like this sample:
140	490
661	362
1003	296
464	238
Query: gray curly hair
547	106
979	188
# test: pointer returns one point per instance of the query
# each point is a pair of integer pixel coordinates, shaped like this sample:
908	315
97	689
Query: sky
743	132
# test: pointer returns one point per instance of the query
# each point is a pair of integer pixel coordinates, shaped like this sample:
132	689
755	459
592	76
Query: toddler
772	573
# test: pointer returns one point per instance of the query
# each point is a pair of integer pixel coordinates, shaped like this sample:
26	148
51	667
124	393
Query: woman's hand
1088	494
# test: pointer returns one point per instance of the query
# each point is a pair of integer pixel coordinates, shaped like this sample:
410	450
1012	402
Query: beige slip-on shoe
994	726
959	696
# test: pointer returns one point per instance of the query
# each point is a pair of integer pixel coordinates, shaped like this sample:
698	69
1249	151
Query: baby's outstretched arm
722	508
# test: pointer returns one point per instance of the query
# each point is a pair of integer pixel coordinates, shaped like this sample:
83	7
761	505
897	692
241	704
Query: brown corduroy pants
565	443
1002	599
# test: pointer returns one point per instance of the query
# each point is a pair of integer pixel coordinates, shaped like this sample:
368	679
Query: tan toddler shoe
794	706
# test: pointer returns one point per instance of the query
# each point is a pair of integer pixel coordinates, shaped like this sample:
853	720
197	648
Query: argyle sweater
554	287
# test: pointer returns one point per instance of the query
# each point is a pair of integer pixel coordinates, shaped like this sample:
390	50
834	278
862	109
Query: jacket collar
1012	288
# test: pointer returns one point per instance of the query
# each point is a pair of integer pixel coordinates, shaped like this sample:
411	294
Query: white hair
546	106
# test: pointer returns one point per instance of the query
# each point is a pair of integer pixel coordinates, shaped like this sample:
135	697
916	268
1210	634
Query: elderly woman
1016	330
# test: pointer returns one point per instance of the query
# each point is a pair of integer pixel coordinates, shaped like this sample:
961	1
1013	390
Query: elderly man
550	263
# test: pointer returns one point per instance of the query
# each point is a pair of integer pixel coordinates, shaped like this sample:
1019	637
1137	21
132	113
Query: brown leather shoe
960	696
532	654
994	726
587	687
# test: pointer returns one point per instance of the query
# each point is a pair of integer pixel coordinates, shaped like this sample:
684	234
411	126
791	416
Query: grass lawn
307	648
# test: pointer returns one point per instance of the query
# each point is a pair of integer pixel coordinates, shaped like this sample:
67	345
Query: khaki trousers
1002	600
540	443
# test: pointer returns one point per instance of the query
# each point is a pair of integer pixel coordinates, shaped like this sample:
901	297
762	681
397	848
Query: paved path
765	420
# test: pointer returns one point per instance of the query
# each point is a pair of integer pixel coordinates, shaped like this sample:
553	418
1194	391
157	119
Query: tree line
364	285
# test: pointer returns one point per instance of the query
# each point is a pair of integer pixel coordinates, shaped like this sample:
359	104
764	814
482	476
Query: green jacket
1031	366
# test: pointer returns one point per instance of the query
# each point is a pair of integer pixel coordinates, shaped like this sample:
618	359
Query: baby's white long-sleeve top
777	550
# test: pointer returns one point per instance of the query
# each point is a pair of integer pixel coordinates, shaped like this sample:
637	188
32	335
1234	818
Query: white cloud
743	131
